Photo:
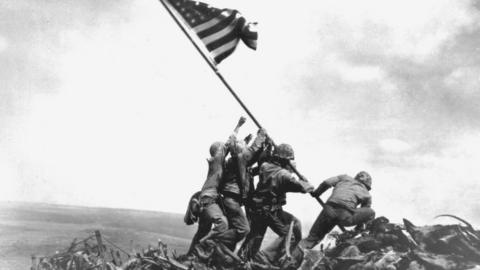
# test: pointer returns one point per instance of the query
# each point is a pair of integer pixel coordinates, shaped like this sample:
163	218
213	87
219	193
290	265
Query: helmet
215	147
284	151
364	178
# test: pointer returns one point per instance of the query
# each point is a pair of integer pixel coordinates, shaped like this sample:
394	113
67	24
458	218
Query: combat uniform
341	207
209	196
269	197
236	185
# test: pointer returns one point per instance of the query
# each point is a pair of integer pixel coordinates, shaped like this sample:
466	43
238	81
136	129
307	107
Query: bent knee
297	225
369	213
243	229
221	224
246	230
372	214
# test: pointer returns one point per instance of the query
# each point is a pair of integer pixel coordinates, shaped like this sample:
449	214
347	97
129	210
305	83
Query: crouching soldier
341	206
275	180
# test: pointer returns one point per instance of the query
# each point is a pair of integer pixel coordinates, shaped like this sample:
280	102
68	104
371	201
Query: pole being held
227	85
209	61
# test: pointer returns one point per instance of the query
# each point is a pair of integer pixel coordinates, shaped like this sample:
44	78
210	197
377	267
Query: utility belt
267	204
339	206
207	201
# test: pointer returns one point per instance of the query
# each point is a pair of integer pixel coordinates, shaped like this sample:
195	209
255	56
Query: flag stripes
219	29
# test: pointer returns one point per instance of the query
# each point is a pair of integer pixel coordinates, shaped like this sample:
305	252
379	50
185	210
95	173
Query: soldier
269	197
341	206
209	196
236	184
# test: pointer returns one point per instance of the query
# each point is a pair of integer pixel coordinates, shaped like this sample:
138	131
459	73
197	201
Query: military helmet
364	178
284	151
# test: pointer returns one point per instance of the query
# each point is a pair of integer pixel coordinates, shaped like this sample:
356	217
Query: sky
106	103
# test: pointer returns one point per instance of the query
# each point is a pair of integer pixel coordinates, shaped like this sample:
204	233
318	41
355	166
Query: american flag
219	29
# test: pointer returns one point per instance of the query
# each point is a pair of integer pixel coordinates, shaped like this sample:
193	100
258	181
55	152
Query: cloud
395	146
113	95
3	44
388	76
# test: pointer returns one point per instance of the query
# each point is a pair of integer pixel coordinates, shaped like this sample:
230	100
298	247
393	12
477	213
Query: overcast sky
106	103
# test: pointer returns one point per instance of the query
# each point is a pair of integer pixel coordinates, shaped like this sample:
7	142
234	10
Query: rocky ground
381	245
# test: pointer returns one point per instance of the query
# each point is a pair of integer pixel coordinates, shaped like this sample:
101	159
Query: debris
381	245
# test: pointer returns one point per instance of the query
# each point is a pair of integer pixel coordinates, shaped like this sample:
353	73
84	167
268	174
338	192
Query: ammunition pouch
207	201
235	196
266	204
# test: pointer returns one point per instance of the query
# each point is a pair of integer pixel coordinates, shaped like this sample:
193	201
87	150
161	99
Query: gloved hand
262	131
241	121
309	189
314	194
247	139
319	191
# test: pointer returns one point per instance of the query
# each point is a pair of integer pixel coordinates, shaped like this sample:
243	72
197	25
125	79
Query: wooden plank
101	249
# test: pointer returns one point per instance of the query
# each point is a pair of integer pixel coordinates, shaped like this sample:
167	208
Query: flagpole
210	63
227	85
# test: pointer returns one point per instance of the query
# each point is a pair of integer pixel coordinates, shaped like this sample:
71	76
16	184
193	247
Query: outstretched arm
320	189
232	140
240	123
292	184
325	185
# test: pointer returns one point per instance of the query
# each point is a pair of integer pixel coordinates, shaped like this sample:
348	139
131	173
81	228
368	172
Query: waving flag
218	29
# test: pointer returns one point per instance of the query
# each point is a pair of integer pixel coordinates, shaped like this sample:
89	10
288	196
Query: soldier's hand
309	189
241	121
315	193
262	131
268	142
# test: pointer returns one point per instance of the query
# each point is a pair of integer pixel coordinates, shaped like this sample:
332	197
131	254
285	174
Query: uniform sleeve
289	183
333	181
326	184
252	153
215	166
367	201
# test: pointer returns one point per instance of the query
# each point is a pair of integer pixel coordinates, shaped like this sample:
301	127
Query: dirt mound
381	245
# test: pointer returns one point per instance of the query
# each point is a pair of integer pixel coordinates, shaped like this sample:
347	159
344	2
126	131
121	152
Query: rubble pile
87	255
380	245
387	246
